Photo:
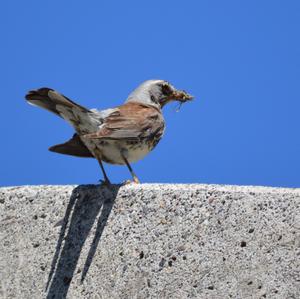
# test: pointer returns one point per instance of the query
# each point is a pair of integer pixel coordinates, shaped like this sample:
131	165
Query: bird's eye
166	89
153	99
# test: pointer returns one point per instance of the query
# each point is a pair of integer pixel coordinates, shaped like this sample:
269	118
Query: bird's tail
51	100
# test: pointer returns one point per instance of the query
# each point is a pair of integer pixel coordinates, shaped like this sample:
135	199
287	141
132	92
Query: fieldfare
119	135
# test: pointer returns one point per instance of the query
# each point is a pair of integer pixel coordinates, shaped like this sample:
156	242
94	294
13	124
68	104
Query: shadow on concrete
86	203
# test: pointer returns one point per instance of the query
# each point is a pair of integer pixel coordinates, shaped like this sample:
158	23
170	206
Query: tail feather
49	99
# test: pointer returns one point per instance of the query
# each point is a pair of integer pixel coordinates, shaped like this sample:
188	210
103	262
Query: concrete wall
149	241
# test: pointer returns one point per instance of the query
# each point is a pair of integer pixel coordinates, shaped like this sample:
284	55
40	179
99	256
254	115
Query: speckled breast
133	150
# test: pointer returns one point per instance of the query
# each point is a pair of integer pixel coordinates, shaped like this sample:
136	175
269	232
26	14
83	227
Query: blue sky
241	60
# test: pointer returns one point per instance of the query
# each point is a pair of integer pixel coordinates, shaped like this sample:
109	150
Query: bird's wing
73	147
131	121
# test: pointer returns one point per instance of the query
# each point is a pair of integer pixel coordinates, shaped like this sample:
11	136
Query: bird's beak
181	96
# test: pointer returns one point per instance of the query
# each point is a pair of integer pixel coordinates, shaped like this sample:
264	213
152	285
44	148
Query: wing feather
131	121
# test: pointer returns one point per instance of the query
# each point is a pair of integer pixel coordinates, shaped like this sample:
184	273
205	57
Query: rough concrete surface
149	241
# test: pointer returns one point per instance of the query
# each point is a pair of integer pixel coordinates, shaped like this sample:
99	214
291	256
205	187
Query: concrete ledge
149	241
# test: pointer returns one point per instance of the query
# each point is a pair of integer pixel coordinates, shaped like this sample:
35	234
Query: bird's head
158	93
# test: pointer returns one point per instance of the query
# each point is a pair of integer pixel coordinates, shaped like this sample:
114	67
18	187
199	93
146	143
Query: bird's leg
135	178
106	179
97	155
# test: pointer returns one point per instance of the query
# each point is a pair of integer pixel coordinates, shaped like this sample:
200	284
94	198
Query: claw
128	182
105	183
136	180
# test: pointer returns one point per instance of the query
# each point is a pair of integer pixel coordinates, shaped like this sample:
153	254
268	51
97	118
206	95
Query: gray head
157	93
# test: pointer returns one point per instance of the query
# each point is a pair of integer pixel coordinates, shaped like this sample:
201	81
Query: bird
119	135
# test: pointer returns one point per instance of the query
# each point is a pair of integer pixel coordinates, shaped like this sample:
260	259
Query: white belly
111	150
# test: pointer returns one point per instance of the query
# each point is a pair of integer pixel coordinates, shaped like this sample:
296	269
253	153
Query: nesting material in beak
181	96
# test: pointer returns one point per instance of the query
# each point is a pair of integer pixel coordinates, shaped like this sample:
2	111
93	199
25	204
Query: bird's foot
134	181
127	182
106	183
